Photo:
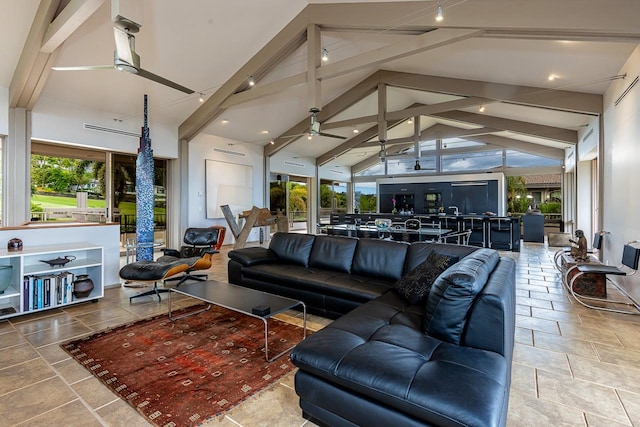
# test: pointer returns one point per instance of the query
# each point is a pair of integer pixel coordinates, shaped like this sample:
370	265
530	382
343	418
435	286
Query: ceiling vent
290	163
110	130
230	152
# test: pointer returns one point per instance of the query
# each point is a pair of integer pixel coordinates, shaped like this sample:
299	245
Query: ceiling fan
125	57
314	128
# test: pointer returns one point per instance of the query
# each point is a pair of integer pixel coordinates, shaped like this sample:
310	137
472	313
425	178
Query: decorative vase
82	286
14	245
5	277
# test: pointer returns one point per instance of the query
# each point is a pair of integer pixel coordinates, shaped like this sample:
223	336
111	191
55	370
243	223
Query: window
476	161
366	198
67	183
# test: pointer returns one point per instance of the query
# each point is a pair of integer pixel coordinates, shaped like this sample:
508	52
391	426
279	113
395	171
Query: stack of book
46	291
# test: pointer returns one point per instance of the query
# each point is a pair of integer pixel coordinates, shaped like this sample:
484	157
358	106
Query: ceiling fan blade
84	68
156	78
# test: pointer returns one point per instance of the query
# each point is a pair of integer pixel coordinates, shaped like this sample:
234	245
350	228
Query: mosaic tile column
144	194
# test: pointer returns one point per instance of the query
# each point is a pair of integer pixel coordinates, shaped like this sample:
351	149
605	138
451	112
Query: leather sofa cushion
327	283
378	350
294	248
381	258
333	253
253	255
453	293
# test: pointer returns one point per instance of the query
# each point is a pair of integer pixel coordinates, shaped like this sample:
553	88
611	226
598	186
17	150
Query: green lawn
126	208
63	202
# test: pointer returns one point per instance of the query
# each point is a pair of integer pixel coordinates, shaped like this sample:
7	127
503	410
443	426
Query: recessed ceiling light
265	132
356	131
271	142
224	121
552	77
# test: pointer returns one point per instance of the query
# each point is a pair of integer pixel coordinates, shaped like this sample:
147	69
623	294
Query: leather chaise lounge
444	360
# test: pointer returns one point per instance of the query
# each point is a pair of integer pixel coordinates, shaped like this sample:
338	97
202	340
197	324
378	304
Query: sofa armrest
252	256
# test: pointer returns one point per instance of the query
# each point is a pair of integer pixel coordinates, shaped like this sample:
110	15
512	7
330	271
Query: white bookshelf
89	259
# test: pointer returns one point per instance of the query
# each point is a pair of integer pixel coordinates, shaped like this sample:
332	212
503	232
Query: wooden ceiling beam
75	13
556	99
416	44
289	39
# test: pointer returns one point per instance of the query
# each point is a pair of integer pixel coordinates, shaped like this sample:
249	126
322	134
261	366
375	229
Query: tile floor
572	366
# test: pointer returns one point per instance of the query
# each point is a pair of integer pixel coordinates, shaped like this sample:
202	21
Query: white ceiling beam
72	16
32	62
566	136
288	40
416	44
561	100
313	64
427	110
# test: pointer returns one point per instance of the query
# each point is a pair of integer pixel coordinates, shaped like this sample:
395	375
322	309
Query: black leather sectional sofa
443	362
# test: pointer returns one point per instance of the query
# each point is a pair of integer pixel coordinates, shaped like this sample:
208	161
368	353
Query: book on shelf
47	290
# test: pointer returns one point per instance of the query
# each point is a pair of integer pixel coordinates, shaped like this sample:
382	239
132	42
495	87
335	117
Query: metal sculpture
144	194
58	262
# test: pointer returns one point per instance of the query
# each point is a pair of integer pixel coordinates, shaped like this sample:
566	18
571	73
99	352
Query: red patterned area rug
185	372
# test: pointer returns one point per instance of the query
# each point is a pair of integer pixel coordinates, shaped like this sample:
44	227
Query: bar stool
476	225
500	226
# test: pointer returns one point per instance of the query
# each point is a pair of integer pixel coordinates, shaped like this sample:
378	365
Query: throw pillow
453	293
415	285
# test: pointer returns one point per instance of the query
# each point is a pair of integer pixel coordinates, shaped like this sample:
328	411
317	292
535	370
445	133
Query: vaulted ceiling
388	62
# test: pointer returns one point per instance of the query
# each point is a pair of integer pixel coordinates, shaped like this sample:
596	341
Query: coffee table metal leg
192	313
266	334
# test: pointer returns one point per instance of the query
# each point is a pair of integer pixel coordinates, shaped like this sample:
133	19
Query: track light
251	81
439	16
271	142
481	109
417	166
310	136
279	179
410	121
325	55
201	98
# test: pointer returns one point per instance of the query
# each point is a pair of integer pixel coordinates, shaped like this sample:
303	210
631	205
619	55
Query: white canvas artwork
228	184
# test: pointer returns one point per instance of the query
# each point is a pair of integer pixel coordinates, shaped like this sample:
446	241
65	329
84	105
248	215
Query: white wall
621	165
53	120
4	111
201	148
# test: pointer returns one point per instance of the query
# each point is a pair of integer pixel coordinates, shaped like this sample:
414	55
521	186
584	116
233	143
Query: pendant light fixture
439	16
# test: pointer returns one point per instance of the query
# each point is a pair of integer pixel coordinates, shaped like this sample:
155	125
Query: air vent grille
230	152
290	163
110	130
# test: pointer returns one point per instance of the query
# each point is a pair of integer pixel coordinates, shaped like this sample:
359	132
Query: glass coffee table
242	300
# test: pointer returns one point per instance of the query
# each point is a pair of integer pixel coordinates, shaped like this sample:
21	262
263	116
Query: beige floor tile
543	313
104	315
618	356
24	374
563	344
549	296
524	336
120	413
551	361
57	335
537	324
6	326
71	371
588	333
533	412
28	402
534	302
596	421
17	354
523	310
94	393
71	414
589	397
11	339
277	406
523	380
52	353
606	374
631	403
44	323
